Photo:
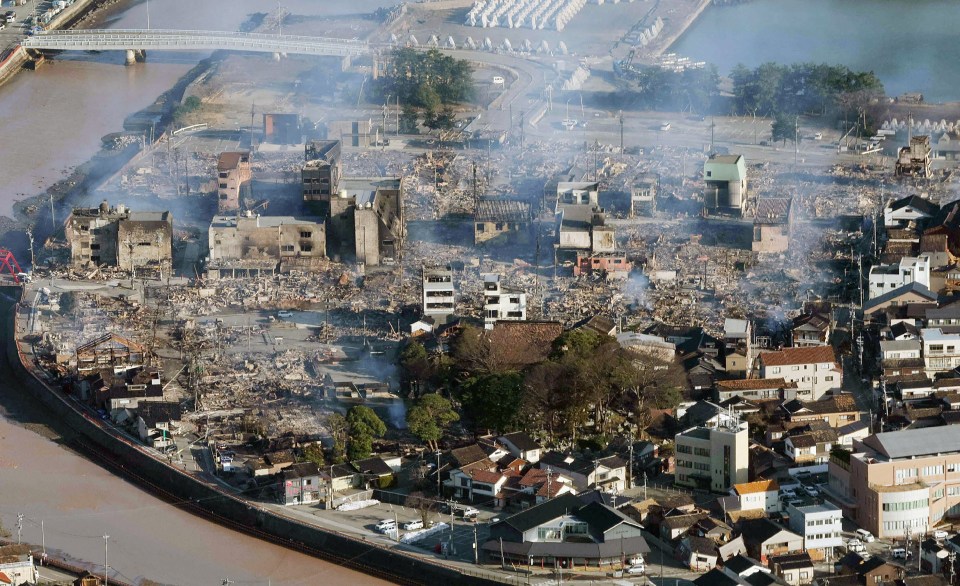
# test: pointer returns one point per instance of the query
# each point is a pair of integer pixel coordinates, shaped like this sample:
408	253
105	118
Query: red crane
9	263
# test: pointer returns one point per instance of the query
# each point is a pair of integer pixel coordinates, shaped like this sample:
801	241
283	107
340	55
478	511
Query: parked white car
864	535
284	314
387	526
413	525
855	545
638	569
940	534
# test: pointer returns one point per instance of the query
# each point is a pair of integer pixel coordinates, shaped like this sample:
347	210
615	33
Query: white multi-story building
713	458
941	351
819	524
439	294
910	269
500	303
814	369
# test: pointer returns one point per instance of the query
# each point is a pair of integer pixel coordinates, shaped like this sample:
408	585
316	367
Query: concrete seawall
209	501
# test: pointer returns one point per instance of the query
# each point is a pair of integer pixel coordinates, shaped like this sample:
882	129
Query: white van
387	526
499	80
864	535
901	553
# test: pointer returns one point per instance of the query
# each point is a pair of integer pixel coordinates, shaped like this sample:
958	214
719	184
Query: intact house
820	525
609	474
754	389
941	350
872	570
886	278
233	179
300	484
17	565
564	532
251	245
811	447
795	569
501	221
366	221
522	446
760	495
156	421
118	237
811	329
765	539
698	553
773	225
902	212
725	183
837	410
815	370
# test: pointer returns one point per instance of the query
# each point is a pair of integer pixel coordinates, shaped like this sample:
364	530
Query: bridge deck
176	40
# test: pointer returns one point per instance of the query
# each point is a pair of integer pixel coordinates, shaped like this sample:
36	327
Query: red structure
9	263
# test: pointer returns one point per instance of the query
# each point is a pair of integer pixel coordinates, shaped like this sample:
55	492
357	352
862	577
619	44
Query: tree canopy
428	418
801	88
426	79
364	427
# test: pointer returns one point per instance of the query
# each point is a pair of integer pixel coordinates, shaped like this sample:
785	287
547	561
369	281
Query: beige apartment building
713	458
900	481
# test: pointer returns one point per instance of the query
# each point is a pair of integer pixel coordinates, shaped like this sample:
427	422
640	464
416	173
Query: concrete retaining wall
215	504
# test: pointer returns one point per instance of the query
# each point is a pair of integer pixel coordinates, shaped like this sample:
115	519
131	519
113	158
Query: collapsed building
282	128
251	245
643	194
233	179
914	160
725	184
120	237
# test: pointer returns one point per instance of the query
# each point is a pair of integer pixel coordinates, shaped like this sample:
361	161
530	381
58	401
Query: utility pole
621	135
30	237
53	219
476	553
19	526
106	559
630	462
43	540
439	492
796	140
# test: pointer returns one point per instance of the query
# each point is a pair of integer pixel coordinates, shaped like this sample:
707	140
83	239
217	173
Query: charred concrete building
251	245
233	179
140	241
366	220
439	294
773	225
914	160
282	128
500	221
643	195
321	174
725	189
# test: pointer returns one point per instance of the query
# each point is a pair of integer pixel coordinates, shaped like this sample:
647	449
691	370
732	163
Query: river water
909	44
52	120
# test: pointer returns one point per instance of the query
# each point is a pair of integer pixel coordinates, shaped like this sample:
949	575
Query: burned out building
282	128
773	224
643	195
501	221
366	220
249	245
320	175
439	293
119	237
914	160
233	179
725	189
584	227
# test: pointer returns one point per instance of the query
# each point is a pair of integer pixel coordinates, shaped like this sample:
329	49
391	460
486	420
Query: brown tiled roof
752	384
522	343
554	488
815	320
486	476
755	487
788	356
468	455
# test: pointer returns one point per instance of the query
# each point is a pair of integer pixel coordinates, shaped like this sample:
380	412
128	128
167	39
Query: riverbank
684	18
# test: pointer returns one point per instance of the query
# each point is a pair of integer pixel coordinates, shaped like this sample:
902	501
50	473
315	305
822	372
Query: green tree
783	128
360	447
314	453
428	418
416	365
363	421
339	430
494	400
409	119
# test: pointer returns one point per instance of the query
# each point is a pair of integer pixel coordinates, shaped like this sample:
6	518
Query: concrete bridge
138	41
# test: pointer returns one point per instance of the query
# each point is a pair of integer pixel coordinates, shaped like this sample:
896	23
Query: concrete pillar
131	57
